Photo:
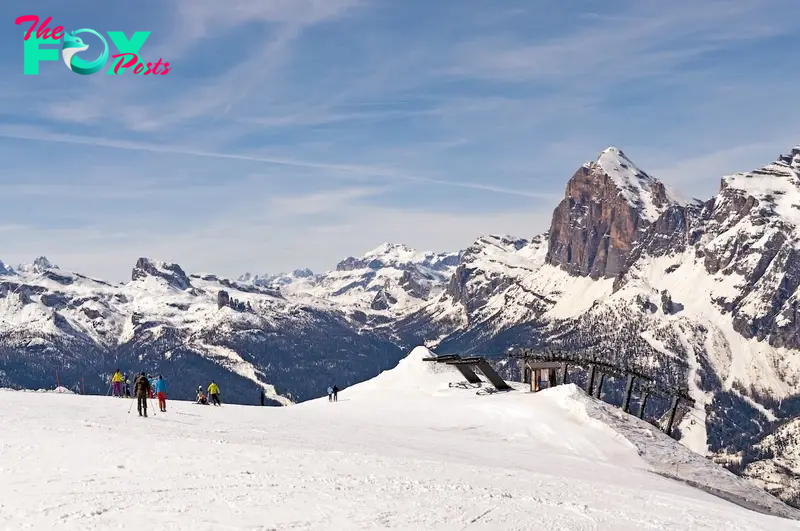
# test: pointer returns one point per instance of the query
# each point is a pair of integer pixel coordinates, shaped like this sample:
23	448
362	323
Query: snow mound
412	374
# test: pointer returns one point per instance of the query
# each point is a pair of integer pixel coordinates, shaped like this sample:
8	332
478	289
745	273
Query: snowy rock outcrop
172	273
39	265
608	203
387	282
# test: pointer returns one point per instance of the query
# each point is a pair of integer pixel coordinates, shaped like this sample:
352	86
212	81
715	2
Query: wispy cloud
196	20
643	39
333	168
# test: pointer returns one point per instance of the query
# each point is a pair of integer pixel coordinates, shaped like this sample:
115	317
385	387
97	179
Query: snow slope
411	449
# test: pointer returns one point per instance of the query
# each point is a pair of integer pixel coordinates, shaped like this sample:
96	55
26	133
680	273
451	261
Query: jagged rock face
303	273
172	273
4	270
39	265
474	281
608	203
383	301
753	231
413	287
223	299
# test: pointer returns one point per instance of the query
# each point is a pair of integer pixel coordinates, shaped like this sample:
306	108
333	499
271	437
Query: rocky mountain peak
399	256
769	192
642	191
387	248
172	273
792	159
5	270
303	273
39	265
608	203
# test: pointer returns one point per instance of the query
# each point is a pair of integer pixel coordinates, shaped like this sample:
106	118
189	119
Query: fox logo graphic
73	45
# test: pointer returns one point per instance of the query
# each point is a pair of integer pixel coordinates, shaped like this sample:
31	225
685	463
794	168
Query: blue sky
294	133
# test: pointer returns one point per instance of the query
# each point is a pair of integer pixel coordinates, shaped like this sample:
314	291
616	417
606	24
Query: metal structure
534	363
467	366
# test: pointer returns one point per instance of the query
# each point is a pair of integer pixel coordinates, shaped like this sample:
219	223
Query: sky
296	133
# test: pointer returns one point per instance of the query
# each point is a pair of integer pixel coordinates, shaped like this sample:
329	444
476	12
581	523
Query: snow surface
635	185
414	448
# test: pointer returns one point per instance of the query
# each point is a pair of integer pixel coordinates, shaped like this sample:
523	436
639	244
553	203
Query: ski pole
130	407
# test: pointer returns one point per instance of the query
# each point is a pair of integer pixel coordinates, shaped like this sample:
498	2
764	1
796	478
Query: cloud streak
639	41
333	168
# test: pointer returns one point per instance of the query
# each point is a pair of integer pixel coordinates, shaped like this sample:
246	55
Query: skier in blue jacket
160	387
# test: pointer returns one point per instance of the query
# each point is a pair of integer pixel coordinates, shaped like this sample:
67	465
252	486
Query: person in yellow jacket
213	390
116	380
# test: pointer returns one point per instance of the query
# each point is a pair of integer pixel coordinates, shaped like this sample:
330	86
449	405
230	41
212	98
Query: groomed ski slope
402	451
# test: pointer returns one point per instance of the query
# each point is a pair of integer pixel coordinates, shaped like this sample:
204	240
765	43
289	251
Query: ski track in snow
401	451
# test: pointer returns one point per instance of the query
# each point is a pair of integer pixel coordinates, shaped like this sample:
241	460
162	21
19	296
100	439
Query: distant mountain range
702	294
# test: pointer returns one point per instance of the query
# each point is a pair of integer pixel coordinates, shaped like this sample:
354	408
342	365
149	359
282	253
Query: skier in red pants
160	387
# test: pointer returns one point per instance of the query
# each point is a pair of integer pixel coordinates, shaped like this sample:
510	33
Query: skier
335	393
213	390
141	387
150	381
201	397
161	391
116	381
262	397
127	386
330	394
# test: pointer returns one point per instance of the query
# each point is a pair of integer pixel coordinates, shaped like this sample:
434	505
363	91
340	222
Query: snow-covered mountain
702	295
389	281
191	328
699	294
